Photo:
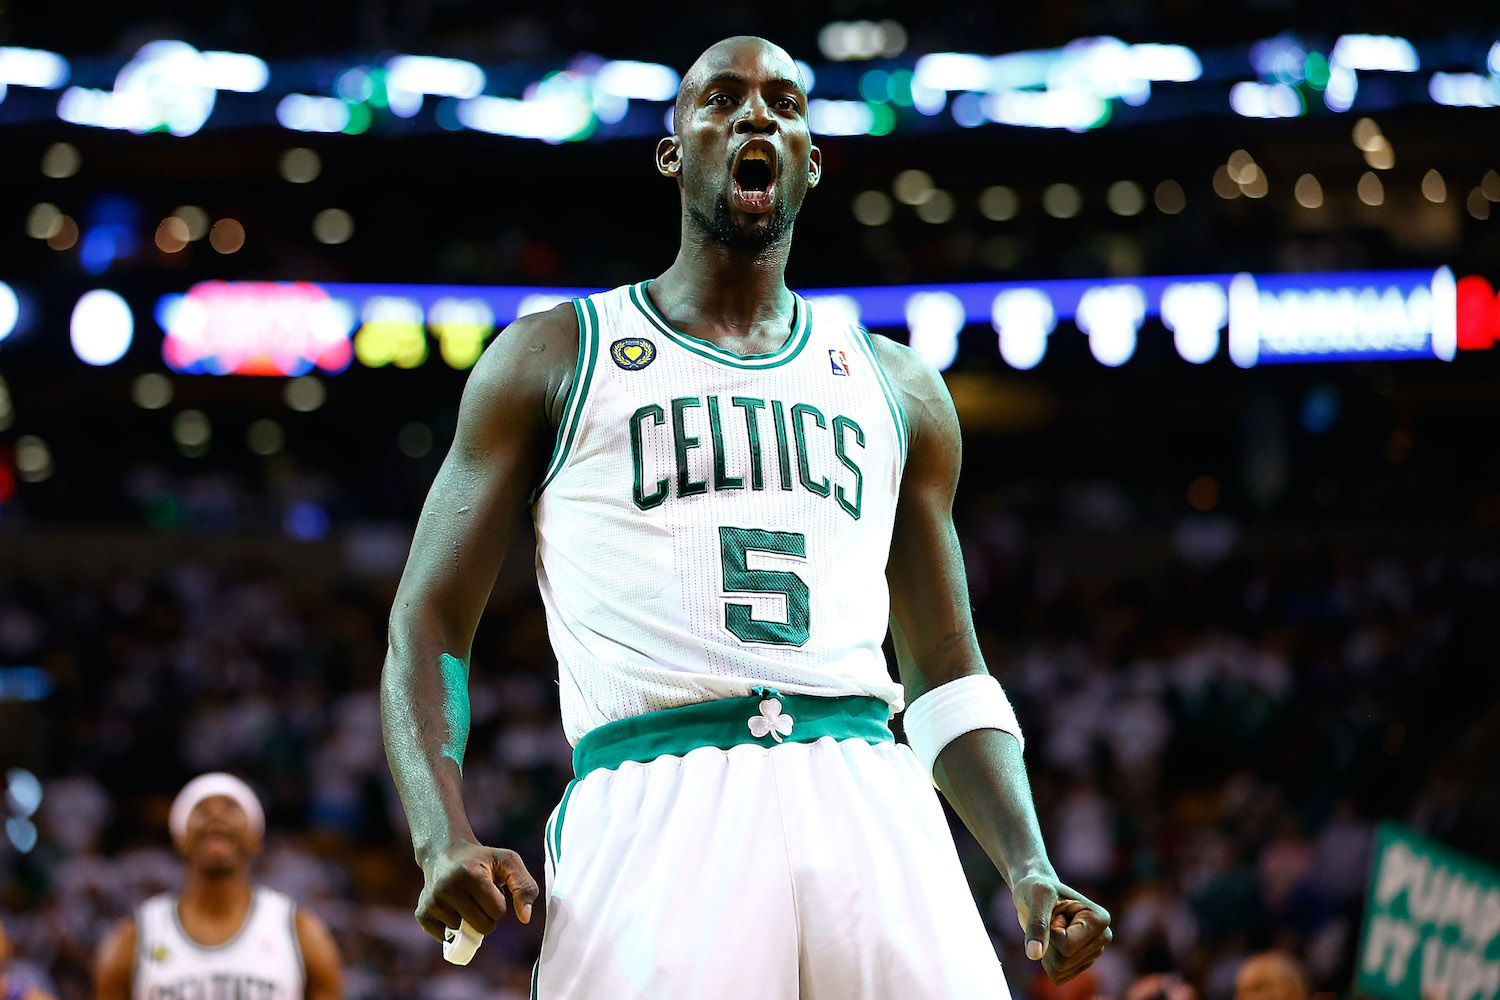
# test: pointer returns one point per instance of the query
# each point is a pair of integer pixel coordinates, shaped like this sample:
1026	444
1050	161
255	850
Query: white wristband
949	710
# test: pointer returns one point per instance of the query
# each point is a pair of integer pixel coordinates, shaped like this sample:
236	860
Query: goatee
754	239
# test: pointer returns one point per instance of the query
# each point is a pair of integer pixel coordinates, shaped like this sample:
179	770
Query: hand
463	883
1064	929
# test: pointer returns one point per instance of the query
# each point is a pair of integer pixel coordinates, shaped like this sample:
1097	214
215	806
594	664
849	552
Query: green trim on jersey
801	331
578	392
557	824
725	723
898	414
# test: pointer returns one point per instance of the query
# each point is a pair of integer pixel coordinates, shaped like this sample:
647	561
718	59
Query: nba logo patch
633	353
838	361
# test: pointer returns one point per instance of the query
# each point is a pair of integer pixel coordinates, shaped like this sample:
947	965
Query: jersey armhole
892	400
583	374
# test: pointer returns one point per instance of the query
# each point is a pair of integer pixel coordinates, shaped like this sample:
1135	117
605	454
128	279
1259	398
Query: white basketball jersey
263	961
710	523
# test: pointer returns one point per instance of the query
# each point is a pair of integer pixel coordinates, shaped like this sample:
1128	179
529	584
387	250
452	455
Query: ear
669	157
814	167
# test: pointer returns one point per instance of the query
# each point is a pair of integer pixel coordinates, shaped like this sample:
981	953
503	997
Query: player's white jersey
261	962
710	523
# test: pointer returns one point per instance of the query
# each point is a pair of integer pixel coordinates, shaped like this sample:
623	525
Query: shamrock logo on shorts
770	721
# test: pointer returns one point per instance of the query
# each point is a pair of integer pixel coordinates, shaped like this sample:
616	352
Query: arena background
1231	537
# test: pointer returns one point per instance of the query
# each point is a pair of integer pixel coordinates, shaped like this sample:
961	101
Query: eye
720	100
787	103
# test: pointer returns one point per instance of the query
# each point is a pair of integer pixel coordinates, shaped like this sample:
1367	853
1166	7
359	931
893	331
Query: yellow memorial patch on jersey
633	353
160	953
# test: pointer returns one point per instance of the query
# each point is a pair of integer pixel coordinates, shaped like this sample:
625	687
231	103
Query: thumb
514	876
1038	926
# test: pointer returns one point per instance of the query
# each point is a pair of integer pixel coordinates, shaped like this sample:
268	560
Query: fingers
1066	967
434	915
1076	923
511	871
1084	935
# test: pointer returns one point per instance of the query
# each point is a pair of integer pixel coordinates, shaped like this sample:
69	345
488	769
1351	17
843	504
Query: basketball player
222	936
733	495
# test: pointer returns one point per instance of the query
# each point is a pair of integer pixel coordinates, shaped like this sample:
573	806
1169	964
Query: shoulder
320	953
530	362
536	343
121	935
115	960
924	397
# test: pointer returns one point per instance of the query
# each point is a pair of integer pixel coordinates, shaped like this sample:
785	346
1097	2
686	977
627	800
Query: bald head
1270	976
718	58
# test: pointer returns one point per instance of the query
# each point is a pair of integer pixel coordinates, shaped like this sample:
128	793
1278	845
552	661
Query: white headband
206	786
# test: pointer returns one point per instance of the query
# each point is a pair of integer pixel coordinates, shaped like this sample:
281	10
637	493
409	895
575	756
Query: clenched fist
463	883
1064	929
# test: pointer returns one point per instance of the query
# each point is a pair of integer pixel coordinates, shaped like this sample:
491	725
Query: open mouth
755	176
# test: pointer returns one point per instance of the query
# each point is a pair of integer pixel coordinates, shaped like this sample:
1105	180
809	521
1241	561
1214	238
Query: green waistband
728	723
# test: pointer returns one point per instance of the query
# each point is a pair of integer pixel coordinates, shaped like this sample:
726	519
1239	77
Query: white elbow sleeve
949	710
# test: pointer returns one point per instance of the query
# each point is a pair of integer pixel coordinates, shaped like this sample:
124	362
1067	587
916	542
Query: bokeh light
872	208
33	459
999	203
65	236
102	327
61	160
10	310
414	439
44	221
1062	201
192	431
1169	197
1308	192
300	165
195	218
172	235
151	391
333	225
1125	198
305	394
265	437
1433	187
911	187
936	208
227	236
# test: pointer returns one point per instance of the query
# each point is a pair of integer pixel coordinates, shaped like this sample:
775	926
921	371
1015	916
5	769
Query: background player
222	935
660	901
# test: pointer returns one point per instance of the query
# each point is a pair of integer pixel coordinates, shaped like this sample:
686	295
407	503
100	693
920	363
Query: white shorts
694	860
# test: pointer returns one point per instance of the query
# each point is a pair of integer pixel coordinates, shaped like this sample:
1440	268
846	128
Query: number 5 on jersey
739	578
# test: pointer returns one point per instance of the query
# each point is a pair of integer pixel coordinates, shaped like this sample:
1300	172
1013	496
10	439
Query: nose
756	118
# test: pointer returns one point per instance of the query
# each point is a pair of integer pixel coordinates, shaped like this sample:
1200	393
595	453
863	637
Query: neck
214	894
717	286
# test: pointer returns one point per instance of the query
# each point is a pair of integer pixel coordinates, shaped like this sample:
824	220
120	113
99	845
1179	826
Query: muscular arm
320	957
503	439
115	962
981	773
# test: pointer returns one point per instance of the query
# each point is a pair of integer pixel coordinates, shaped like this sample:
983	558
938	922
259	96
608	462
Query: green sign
1432	923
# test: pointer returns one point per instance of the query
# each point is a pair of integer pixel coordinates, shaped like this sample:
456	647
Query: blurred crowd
1215	726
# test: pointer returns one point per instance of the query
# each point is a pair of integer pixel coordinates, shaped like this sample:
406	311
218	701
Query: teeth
756	154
